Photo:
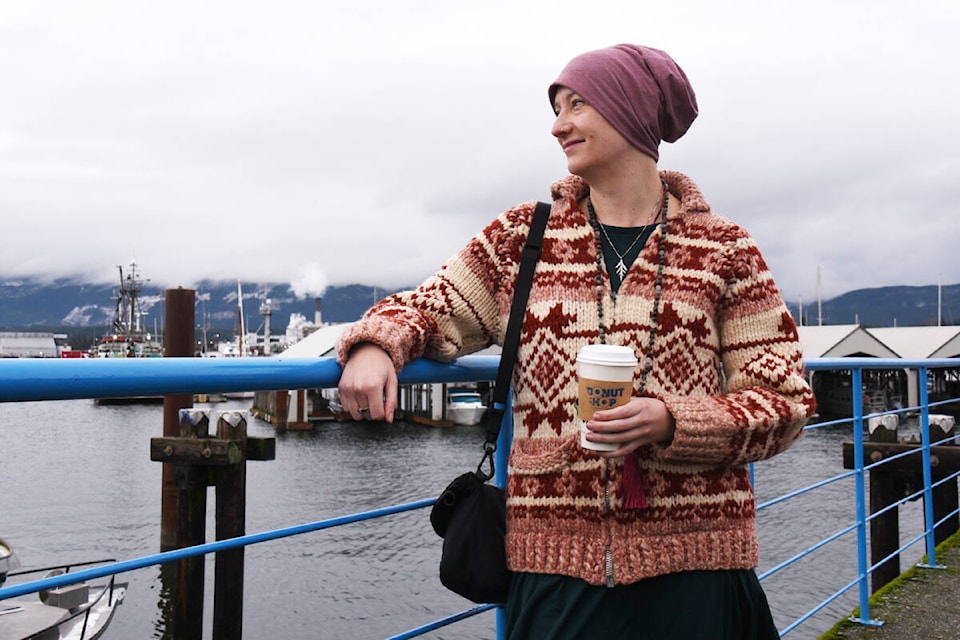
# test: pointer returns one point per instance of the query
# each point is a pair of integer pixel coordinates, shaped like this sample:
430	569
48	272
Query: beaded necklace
658	285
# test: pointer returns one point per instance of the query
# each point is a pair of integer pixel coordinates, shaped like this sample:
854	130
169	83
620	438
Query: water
78	484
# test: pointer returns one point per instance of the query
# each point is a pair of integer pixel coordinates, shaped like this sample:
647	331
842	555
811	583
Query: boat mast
819	301
128	308
939	299
240	314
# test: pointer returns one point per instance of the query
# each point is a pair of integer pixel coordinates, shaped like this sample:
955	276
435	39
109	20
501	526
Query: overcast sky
333	142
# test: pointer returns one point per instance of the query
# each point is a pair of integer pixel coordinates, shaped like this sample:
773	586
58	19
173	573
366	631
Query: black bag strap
511	342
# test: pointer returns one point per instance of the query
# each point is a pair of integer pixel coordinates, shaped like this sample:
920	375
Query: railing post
504	442
927	471
862	567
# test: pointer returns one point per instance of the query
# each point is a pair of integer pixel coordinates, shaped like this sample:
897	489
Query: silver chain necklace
621	267
657	286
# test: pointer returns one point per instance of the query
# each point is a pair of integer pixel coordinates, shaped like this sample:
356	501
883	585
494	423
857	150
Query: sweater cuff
703	430
380	332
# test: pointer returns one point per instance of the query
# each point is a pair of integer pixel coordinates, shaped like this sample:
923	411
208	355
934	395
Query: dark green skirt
693	605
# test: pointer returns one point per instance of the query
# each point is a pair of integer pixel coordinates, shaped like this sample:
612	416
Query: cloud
245	140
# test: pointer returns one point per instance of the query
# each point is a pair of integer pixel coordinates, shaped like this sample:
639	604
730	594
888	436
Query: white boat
465	407
72	612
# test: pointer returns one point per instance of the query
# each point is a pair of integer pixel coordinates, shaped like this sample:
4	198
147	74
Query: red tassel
634	491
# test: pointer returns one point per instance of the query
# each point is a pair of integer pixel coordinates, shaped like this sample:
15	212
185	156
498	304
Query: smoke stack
317	318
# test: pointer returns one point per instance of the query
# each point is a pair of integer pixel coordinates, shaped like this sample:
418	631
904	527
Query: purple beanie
640	91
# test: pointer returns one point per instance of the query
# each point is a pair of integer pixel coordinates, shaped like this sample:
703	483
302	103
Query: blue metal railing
38	379
856	366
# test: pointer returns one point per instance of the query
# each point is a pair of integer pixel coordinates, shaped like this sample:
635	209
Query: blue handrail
40	379
68	379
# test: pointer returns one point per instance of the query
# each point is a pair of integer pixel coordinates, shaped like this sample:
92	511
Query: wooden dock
921	604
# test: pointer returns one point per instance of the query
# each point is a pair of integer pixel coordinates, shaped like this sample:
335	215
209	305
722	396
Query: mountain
898	306
87	310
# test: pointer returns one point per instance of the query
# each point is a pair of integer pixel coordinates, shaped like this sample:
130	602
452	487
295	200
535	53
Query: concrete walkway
923	604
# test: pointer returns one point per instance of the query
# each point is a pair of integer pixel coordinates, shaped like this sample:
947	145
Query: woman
656	539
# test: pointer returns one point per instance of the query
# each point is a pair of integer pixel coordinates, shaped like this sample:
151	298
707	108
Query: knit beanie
640	91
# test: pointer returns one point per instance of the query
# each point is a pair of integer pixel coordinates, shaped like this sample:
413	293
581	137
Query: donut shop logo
600	398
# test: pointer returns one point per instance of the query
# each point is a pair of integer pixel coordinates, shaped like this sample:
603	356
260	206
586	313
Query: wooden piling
192	460
885	489
894	480
191	482
182	508
945	494
179	341
231	492
200	460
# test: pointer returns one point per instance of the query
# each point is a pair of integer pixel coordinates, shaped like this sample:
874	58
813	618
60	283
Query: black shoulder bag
471	515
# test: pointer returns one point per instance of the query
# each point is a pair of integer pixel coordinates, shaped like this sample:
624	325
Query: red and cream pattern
726	361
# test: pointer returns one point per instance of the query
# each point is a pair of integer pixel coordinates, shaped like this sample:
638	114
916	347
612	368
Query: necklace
621	267
658	284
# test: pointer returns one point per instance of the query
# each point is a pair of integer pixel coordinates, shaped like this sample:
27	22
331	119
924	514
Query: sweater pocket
540	457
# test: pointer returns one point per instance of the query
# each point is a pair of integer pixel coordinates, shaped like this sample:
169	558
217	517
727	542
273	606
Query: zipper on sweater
609	567
608	551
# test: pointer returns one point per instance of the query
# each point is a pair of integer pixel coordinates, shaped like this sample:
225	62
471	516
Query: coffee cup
605	375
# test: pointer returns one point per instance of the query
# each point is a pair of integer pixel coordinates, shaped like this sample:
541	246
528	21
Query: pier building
19	344
884	389
299	408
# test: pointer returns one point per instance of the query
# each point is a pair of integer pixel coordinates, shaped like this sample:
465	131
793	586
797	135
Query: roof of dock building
18	344
843	340
823	341
319	344
921	342
323	343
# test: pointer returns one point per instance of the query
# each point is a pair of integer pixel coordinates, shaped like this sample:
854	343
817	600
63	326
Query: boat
79	611
834	392
129	339
465	407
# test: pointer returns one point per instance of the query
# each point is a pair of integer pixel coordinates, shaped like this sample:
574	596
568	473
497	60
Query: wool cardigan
726	362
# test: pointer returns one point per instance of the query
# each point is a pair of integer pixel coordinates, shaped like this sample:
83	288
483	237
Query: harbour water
78	484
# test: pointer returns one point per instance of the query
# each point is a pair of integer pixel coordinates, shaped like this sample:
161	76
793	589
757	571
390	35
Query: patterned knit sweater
726	362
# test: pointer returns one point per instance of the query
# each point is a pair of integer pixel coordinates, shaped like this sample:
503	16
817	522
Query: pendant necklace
621	266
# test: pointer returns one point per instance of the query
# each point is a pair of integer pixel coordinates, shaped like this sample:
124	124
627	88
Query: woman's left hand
641	421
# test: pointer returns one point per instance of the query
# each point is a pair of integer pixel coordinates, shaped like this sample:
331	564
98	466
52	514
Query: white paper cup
605	375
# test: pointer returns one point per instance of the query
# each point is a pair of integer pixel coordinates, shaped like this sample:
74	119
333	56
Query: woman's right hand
368	384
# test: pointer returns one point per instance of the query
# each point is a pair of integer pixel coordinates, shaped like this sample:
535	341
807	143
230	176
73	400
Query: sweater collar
574	189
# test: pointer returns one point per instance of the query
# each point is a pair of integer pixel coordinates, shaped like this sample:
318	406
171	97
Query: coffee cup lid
608	354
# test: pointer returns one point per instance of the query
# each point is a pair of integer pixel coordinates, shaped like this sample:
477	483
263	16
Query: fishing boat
465	407
79	611
129	338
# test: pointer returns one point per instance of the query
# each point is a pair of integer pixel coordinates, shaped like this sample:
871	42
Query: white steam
311	283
